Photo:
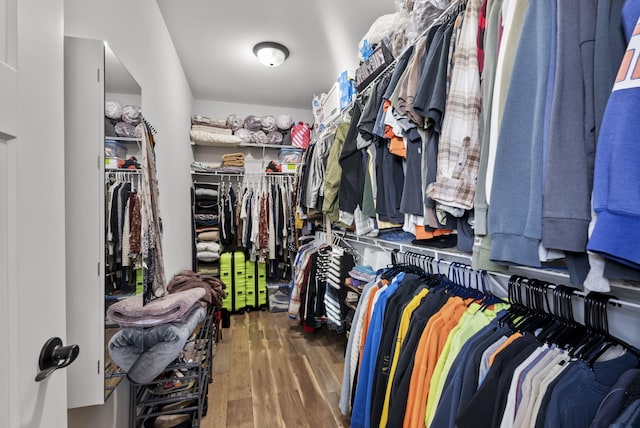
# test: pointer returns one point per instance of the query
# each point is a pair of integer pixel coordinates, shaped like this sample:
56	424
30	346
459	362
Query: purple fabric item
259	137
235	122
124	129
244	135
253	123
132	114
284	122
269	124
113	109
274	137
173	307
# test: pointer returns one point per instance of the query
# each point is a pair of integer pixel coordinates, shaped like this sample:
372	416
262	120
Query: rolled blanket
284	122
187	279
243	134
113	109
208	246
208	256
132	114
253	123
209	236
207	121
144	353
173	307
204	191
269	124
274	137
235	122
124	129
259	137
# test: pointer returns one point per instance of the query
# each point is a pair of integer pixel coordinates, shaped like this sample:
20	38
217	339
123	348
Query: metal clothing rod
551	286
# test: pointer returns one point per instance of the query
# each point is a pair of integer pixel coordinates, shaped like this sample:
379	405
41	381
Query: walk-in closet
363	214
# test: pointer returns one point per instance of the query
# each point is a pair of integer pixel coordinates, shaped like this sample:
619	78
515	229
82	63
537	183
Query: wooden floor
269	372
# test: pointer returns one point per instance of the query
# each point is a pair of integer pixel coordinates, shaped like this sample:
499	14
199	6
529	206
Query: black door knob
54	356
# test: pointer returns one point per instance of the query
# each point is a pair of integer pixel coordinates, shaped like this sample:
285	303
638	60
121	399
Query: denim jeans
144	353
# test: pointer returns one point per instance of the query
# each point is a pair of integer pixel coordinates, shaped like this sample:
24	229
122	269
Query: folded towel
233	163
173	307
232	156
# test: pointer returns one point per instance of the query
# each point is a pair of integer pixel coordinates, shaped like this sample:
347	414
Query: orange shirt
429	349
508	342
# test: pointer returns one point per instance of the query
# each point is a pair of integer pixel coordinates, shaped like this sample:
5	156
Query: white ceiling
214	41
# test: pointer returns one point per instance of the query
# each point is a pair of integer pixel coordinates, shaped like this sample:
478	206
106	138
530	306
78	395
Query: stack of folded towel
205	130
233	159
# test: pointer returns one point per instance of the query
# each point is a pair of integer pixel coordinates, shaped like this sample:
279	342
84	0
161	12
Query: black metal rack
145	405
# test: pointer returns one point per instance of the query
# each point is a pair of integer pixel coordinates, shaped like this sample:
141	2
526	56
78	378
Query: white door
32	261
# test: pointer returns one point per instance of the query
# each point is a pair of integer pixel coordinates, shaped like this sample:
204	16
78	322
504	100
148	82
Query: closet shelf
124	139
246	174
201	144
269	146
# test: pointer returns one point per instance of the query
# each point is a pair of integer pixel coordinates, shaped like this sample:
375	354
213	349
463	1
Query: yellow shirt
402	332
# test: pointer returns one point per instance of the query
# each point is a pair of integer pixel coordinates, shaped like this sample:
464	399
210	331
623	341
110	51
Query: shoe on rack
172	421
182	404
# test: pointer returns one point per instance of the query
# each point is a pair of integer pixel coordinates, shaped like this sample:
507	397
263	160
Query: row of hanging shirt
258	216
123	228
317	288
425	351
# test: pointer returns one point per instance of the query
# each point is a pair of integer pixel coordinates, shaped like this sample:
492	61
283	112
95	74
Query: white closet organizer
91	70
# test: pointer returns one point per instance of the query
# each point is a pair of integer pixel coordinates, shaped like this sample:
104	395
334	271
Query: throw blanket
211	138
172	307
204	120
233	156
144	353
213	129
189	280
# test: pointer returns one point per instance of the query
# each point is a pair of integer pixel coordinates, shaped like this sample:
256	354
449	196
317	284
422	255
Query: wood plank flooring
268	372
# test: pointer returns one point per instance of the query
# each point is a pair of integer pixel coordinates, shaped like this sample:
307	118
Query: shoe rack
178	397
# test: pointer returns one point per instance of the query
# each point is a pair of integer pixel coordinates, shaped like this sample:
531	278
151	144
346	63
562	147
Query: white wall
254	158
220	110
137	34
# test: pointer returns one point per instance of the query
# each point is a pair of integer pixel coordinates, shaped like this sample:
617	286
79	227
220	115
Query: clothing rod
552	286
388	246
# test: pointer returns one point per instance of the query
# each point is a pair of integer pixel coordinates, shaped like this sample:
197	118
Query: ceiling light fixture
271	54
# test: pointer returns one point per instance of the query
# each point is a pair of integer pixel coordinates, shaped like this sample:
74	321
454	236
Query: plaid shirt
459	149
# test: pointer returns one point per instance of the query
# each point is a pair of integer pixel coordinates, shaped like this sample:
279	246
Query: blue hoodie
616	187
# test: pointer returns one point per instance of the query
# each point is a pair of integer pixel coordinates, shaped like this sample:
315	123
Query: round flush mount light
271	54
